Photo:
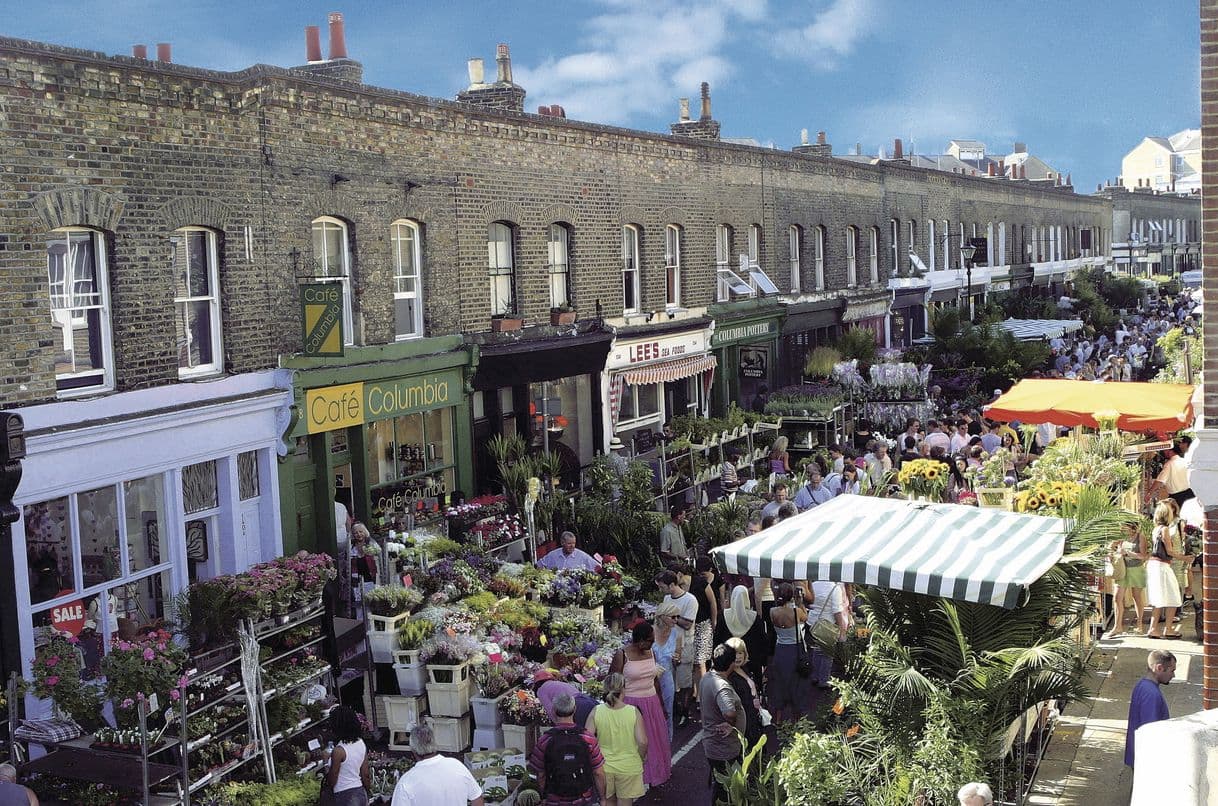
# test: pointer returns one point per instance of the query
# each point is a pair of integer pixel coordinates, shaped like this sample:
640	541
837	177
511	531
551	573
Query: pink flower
53	680
51	661
127	703
124	646
149	654
174	694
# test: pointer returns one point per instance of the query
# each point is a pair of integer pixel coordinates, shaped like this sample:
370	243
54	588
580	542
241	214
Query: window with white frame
80	309
913	236
754	245
639	403
725	278
332	264
931	245
874	255
894	235
501	266
107	547
196	301
405	237
820	258
558	253
630	269
947	245
794	245
672	265
852	248
201	507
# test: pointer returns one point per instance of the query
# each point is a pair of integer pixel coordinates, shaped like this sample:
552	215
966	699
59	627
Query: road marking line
680	754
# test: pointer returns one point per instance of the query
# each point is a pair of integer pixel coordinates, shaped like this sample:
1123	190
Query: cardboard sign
69	618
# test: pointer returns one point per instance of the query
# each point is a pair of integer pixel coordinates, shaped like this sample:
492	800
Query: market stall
1040	329
1159	407
958	552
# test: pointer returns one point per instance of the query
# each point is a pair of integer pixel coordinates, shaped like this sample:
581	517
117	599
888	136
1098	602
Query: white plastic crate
449	699
412	678
452	733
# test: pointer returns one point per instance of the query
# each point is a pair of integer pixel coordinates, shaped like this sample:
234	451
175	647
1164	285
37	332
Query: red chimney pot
338	44
897	150
820	138
313	43
139	51
164	52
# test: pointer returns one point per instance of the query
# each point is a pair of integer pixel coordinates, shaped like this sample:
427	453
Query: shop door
306	520
753	369
677	399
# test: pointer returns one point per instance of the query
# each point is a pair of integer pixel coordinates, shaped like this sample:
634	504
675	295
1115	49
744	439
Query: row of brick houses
166	217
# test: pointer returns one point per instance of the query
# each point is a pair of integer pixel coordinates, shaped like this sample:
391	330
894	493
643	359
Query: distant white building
1165	164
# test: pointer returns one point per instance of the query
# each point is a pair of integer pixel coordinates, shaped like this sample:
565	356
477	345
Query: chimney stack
820	139
338	43
503	60
476	70
1021	148
705	127
706	109
898	150
1023	171
820	148
557	111
139	51
164	52
312	43
993	170
1068	181
803	137
684	104
858	149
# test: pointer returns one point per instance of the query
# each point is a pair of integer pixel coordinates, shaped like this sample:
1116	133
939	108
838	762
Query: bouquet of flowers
576	635
923	477
450	650
521	707
1048	498
450	618
993	471
391	600
574	588
455	578
494	679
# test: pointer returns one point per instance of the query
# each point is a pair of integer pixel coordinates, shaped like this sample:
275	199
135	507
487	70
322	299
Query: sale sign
69	618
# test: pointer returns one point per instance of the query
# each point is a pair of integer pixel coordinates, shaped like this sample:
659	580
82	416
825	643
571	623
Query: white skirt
1162	589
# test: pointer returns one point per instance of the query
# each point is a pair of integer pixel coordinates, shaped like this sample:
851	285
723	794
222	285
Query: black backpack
568	763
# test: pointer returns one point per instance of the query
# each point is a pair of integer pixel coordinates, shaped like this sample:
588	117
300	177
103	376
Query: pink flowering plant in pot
56	670
137	669
521	707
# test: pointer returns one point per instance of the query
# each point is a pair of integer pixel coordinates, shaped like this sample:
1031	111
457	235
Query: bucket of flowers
522	713
923	479
135	670
498	531
494	681
448	657
577	592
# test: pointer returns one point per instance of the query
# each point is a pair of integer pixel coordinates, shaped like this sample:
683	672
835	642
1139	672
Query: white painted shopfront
125	499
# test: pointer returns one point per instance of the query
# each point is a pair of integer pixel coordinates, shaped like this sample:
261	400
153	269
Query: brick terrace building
166	216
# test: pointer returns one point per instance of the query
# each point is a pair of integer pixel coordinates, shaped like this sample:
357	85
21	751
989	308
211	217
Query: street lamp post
967	250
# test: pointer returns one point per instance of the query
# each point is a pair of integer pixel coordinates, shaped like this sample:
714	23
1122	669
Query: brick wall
1209	263
137	148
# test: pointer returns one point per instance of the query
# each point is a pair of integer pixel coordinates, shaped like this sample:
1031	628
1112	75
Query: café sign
334	407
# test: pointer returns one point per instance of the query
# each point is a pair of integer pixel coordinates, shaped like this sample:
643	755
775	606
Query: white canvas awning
1033	329
950	550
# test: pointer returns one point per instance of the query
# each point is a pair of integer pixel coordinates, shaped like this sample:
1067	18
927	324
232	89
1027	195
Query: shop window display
414	451
559	422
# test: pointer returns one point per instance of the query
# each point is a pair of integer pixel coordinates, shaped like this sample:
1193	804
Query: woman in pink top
637	661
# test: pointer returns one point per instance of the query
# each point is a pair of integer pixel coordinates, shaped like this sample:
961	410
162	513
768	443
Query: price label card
408	581
154	704
494	653
314	744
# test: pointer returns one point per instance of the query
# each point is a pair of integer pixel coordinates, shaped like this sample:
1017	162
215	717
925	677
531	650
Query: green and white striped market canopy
949	550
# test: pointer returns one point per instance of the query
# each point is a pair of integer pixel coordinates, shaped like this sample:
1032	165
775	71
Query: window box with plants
506	323
564	314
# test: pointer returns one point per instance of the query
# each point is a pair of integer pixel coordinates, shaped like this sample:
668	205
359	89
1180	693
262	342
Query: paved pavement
1085	762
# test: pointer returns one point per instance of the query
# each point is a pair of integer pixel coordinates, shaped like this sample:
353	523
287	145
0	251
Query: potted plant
494	681
506	323
135	670
448	657
564	314
389	607
410	670
57	666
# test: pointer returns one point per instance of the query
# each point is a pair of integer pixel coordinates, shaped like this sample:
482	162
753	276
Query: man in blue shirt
568	557
813	493
1147	703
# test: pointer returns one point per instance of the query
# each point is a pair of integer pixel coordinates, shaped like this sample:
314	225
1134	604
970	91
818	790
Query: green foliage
1019	305
808	769
998	356
294	791
392	600
443	547
719	522
858	342
753	781
414	633
820	362
506	450
1178	348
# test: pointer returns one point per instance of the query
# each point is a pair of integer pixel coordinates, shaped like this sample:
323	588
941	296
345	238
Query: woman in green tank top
618	728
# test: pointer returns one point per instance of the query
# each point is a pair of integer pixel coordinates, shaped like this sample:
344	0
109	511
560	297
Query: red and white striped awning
672	370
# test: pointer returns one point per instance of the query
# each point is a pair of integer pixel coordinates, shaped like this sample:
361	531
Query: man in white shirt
434	780
960	439
568	557
683	670
936	436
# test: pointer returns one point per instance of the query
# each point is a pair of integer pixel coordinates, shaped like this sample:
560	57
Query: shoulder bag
824	633
803	657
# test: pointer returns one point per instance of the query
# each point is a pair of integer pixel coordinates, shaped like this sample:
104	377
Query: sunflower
931	473
1052	500
1033	502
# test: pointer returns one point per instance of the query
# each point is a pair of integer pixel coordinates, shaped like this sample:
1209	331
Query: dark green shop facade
745	342
384	429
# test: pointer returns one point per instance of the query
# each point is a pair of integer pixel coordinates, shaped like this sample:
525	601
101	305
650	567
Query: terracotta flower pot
563	317
505	324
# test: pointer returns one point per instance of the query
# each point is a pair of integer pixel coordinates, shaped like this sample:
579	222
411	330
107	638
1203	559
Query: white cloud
833	33
639	56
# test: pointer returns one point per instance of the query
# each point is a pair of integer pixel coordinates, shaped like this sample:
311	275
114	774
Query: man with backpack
567	760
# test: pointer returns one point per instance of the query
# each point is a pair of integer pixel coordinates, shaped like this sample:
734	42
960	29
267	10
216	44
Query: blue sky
1080	81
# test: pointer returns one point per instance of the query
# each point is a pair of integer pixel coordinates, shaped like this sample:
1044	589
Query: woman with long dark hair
637	663
348	777
787	690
